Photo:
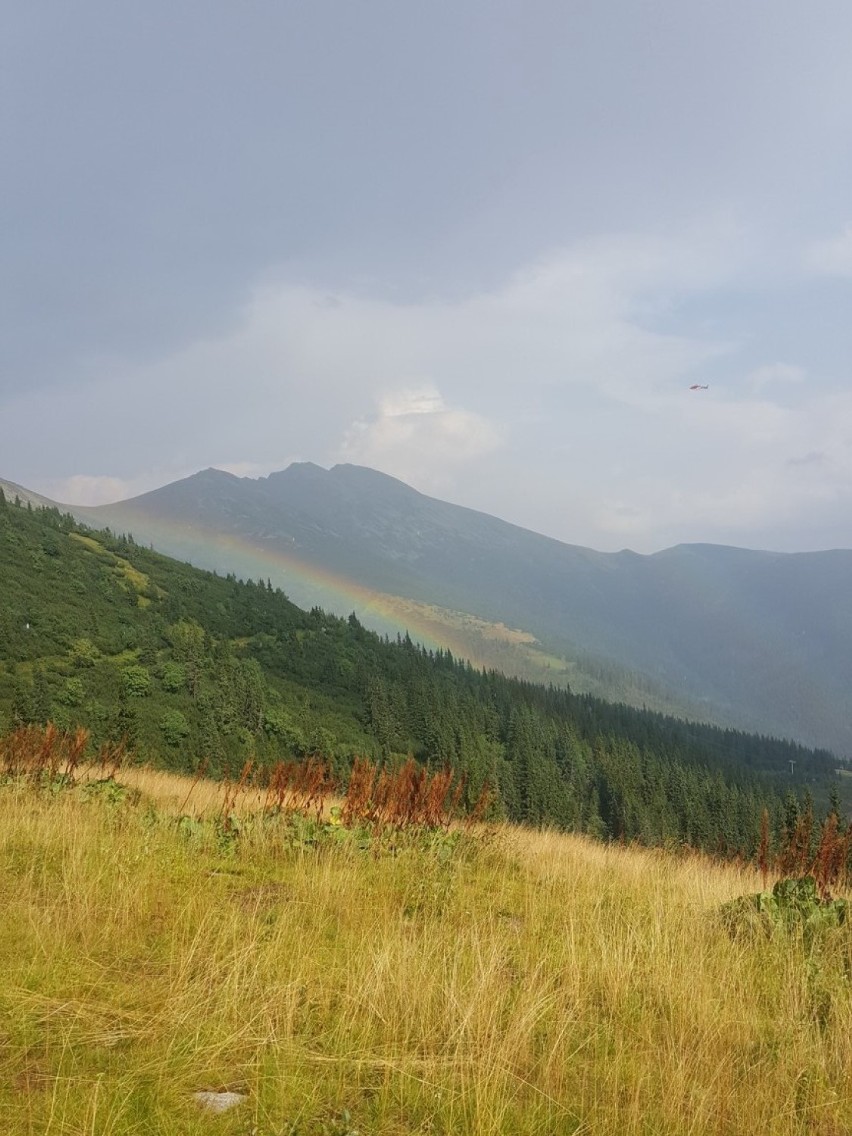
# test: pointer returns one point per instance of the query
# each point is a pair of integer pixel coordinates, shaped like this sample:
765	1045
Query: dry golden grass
177	795
516	983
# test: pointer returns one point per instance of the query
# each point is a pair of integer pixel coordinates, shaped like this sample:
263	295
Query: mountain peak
211	474
300	471
372	479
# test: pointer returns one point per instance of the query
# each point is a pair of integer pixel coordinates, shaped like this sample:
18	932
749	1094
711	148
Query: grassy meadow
501	981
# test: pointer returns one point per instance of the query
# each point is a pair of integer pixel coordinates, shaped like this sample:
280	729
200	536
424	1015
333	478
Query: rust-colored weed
42	752
299	786
408	797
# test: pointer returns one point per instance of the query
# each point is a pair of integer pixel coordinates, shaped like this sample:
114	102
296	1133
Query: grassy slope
529	983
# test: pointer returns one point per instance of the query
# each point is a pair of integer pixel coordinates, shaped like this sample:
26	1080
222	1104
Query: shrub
73	692
136	681
791	904
173	678
174	727
84	653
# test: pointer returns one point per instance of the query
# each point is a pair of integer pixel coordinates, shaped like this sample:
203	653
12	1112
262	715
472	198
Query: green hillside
759	641
189	667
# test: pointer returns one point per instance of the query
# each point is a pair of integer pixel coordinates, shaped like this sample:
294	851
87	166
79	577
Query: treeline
191	667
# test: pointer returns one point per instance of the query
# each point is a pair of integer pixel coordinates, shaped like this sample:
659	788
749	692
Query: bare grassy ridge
511	982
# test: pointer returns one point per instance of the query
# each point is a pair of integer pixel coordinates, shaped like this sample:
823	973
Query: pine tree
126	726
22	702
41	699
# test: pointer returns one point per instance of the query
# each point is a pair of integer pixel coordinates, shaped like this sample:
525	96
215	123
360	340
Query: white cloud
833	256
297	368
93	489
407	402
559	400
750	472
415	436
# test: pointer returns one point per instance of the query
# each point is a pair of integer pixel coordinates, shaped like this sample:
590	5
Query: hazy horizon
260	477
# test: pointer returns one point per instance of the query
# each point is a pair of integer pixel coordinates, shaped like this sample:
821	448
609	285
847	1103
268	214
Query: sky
485	247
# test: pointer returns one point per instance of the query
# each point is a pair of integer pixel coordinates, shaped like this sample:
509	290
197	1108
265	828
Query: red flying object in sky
699	387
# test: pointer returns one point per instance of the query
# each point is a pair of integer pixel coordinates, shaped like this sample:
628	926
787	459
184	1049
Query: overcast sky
485	246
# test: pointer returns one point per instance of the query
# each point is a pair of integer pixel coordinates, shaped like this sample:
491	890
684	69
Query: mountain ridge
755	639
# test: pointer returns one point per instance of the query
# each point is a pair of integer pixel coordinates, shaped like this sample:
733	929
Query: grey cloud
814	457
583	427
161	159
232	231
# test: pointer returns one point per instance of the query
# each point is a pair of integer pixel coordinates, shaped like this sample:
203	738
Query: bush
791	904
73	693
84	653
174	727
173	678
136	681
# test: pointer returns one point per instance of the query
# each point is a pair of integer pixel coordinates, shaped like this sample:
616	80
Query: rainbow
305	583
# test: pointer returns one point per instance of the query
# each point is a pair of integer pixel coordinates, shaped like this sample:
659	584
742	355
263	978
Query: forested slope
190	667
761	641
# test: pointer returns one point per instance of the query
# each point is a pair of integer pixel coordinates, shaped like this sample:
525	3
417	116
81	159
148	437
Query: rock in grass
219	1102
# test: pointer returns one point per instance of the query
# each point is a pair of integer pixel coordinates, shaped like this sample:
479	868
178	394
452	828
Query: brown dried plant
829	867
233	791
796	858
358	805
828	864
299	786
408	797
199	776
42	752
110	758
763	861
481	806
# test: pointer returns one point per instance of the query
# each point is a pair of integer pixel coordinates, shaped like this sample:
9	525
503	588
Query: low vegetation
349	972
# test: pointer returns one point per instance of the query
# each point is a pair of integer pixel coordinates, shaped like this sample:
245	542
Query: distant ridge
757	640
12	490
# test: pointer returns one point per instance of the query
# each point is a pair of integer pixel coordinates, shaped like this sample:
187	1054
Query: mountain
758	640
188	667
